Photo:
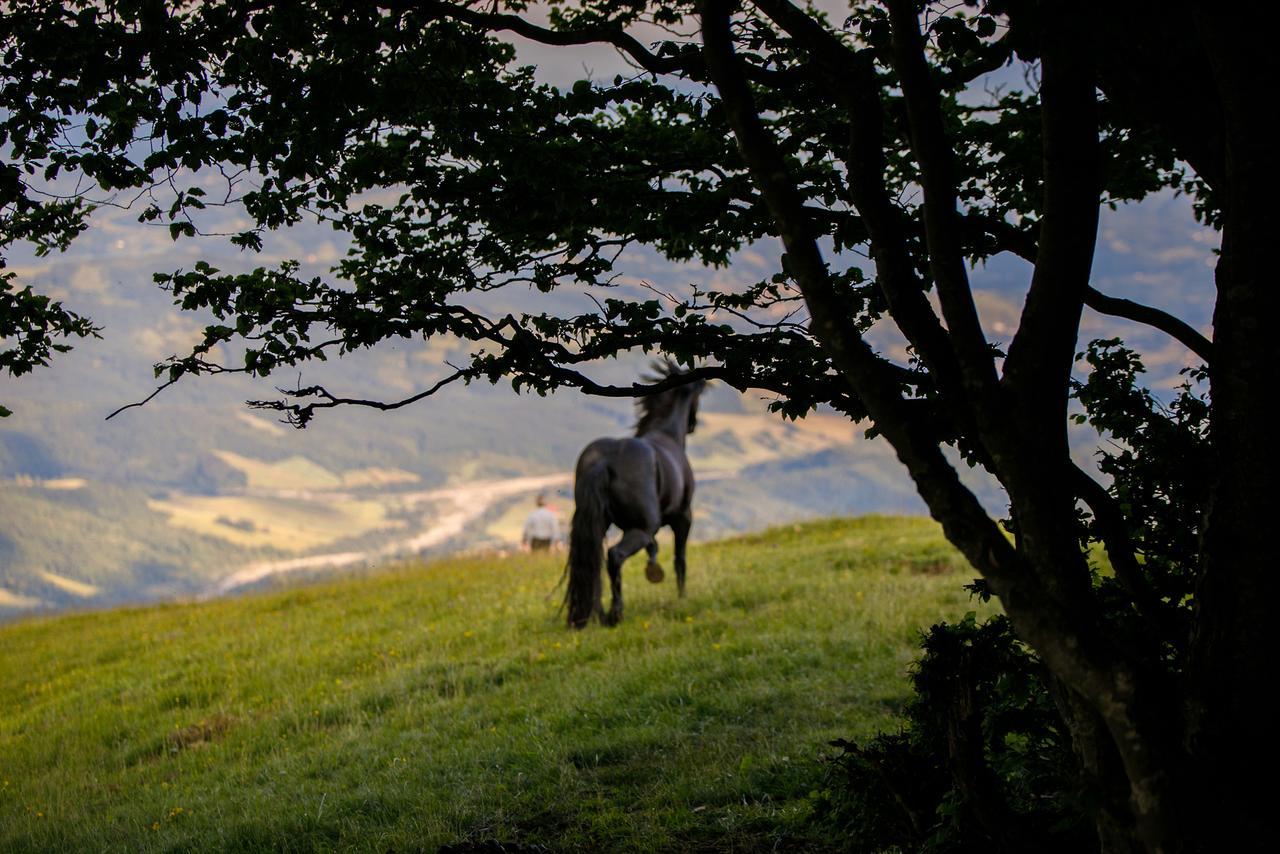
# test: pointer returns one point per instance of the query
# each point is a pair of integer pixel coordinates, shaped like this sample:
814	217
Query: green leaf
180	229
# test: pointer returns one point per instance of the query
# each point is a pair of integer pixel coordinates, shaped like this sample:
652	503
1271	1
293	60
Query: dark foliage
983	762
1160	465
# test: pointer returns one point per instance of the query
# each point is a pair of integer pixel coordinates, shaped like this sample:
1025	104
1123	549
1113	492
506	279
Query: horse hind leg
633	540
653	570
680	527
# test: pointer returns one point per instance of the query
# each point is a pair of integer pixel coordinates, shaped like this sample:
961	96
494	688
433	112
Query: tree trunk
1229	725
1103	771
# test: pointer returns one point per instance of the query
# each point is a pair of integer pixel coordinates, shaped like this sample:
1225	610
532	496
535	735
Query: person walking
541	528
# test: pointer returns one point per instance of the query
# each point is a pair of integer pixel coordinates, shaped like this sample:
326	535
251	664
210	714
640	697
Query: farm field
445	704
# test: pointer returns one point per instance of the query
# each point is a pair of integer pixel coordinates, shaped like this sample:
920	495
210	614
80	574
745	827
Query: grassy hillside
444	702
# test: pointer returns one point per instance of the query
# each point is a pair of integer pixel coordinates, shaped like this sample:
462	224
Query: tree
746	121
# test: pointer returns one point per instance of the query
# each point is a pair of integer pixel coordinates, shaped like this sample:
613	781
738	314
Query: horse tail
586	544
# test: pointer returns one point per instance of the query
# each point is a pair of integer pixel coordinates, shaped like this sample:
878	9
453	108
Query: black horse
638	484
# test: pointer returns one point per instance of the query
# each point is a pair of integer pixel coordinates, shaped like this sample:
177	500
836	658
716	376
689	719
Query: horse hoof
611	619
654	572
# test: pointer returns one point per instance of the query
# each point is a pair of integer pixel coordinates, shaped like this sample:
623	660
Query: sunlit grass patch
287	524
295	472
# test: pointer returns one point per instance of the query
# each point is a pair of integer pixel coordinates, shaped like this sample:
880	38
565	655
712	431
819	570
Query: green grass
445	702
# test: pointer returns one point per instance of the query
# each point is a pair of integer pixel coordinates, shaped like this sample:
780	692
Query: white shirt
542	524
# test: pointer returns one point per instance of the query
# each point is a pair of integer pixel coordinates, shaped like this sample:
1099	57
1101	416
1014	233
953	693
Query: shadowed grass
445	702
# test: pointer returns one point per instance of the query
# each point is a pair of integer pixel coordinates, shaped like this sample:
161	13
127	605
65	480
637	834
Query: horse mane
652	409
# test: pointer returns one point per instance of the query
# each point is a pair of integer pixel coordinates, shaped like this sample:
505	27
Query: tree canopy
861	140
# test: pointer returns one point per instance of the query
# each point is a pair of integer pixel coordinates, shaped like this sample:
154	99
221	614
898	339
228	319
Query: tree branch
822	44
497	22
996	55
941	220
1038	367
1012	239
853	80
142	402
298	415
852	77
1037	371
1121	552
1175	327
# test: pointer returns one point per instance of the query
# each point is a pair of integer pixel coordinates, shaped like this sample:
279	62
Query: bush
982	763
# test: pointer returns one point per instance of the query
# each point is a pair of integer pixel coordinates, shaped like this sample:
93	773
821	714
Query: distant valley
73	541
